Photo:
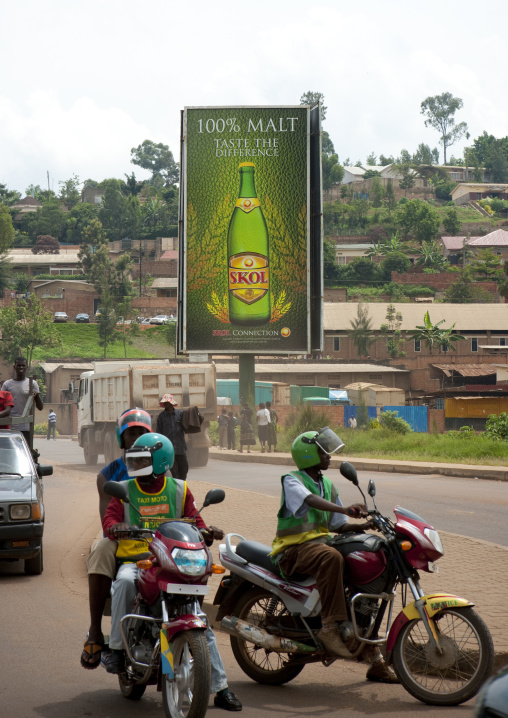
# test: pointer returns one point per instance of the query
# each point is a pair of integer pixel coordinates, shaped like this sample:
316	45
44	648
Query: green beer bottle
248	262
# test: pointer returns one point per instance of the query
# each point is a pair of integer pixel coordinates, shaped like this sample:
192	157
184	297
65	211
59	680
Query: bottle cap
247	164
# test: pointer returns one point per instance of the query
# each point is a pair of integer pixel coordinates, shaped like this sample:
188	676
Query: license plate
433	567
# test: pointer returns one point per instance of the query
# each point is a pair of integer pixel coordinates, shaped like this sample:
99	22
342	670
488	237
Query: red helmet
132	417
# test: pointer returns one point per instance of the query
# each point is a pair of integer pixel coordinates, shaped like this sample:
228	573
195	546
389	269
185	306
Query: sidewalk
470	568
465	471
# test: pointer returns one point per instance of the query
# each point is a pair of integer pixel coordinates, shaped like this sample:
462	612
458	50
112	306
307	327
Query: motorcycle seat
350	543
258	554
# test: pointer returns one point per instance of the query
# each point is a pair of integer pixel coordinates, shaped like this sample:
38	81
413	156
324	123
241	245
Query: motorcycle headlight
193	563
434	539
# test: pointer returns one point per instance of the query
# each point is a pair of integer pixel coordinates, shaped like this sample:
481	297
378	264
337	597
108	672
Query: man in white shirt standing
263	419
19	388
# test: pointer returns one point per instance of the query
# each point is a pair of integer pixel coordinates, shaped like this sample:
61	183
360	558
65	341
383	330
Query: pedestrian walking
247	437
232	424
352	422
223	422
51	425
19	389
262	419
272	427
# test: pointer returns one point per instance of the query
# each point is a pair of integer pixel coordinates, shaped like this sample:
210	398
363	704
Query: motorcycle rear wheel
186	696
262	665
458	674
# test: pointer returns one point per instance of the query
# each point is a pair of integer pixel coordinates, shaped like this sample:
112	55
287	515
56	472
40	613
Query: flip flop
92	650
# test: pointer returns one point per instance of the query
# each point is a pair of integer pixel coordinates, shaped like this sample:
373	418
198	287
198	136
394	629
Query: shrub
304	418
391	421
42	429
496	426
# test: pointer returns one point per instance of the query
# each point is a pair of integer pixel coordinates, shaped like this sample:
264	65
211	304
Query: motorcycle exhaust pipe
254	634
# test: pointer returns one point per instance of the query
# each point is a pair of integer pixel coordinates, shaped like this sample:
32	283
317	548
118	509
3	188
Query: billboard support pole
247	380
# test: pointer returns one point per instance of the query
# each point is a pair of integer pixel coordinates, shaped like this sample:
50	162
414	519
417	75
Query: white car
161	319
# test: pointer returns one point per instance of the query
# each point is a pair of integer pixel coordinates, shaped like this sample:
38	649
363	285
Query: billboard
245	230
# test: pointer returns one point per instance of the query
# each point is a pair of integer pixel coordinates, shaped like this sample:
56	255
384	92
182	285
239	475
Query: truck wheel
88	450
198	458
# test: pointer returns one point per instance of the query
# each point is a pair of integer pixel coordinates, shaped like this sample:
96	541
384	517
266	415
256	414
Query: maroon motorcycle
164	636
440	648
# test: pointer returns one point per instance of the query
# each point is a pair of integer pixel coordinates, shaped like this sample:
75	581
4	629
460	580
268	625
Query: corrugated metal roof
466	369
165	283
312	368
50	367
466	317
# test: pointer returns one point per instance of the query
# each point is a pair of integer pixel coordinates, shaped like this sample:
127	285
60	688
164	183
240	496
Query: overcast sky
84	82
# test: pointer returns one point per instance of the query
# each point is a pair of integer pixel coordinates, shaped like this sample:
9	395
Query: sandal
91	656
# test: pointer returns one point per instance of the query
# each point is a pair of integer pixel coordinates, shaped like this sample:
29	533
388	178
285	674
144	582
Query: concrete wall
66	417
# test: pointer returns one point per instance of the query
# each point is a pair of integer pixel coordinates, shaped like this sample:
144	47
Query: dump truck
113	387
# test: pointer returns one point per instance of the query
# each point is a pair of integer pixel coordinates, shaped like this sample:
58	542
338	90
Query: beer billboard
245	230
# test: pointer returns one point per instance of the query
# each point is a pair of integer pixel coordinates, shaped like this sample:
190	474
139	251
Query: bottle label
247	204
248	276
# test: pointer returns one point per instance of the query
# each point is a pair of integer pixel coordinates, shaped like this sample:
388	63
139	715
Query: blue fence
416	416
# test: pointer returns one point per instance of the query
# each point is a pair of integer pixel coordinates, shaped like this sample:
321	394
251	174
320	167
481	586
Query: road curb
464	471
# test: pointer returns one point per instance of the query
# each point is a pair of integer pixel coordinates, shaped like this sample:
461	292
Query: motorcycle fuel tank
363	555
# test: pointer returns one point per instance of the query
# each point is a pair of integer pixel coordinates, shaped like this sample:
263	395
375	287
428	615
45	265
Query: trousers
123	592
327	565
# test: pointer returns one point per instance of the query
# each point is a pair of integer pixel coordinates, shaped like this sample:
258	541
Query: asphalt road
469	507
44	621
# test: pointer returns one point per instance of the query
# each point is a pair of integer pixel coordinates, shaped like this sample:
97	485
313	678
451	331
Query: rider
310	508
149	460
101	562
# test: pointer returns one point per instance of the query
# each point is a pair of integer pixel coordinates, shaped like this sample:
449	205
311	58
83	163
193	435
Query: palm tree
361	332
432	335
390	245
430	256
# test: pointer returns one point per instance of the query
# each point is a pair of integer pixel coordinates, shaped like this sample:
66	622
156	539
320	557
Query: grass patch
81	340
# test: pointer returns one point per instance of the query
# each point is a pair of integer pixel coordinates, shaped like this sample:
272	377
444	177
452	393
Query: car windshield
14	458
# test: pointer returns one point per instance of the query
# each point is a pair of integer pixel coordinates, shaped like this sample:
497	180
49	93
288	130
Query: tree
418	219
377	192
451	222
77	219
433	335
464	290
361	331
327	147
8	196
384	161
390	199
70	194
394	262
487	266
26	325
430	256
371	159
46	244
439	111
49	219
331	170
392	332
425	156
157	159
329	263
7	232
312	98
408	178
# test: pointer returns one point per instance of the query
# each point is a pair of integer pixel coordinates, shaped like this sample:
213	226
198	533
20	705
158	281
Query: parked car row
83	318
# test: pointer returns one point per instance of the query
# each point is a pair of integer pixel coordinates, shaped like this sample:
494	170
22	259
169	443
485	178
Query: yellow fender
434	603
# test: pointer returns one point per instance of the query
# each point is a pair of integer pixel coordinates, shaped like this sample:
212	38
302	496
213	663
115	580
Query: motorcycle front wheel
187	694
262	665
454	676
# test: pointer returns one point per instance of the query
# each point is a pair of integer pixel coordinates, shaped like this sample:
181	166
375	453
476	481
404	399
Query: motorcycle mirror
348	471
371	489
214	496
116	489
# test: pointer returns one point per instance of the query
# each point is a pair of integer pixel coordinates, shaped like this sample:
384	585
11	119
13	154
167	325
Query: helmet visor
328	441
139	463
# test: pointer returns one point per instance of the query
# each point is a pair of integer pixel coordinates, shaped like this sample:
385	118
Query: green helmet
305	447
157	451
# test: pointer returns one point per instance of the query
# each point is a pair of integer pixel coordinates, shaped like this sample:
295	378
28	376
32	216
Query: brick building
483	326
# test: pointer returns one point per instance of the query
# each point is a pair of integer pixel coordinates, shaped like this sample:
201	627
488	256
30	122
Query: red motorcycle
440	648
164	636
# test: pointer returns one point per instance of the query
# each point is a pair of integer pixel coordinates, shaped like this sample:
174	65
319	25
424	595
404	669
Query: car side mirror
44	470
